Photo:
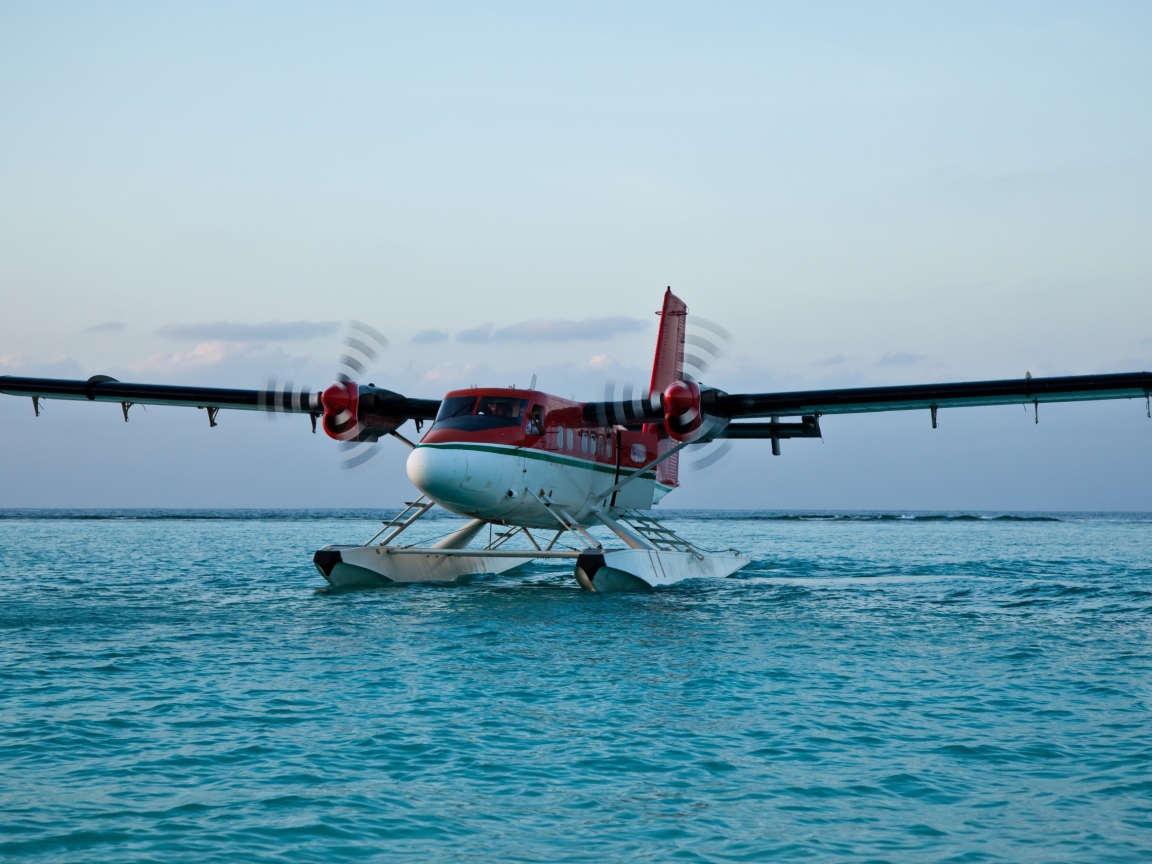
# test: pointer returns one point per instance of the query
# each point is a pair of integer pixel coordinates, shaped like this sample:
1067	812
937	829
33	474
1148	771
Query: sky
879	193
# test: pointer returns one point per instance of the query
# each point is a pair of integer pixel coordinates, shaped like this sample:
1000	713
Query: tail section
667	367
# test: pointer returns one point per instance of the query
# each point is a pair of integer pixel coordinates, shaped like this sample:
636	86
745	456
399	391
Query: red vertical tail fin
666	368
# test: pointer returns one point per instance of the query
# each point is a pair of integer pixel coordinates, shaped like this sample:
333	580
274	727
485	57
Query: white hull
499	484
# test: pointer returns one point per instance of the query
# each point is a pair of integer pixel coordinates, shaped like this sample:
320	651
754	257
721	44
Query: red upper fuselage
511	417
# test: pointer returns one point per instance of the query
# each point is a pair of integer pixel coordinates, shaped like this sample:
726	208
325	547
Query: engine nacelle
358	412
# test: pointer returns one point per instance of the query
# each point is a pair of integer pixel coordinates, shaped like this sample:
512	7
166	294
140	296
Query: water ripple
889	687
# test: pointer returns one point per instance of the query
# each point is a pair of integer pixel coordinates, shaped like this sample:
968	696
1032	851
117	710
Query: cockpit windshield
475	413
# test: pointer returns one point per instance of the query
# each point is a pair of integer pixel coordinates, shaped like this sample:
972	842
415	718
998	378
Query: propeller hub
682	414
337	398
341	404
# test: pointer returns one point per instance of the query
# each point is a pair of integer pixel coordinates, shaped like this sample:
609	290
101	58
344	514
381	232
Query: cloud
601	362
902	358
450	375
105	327
427	336
61	366
554	330
268	331
480	333
834	360
561	330
212	353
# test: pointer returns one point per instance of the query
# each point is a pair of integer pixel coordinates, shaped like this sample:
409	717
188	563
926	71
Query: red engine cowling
354	412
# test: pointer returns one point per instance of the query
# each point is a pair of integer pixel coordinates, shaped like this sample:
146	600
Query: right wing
101	388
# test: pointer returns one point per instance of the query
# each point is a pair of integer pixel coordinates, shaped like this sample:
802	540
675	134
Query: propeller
634	406
277	398
705	344
363	344
345	405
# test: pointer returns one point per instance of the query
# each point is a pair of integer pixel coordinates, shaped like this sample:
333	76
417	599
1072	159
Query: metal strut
36	405
933	416
402	439
567	523
212	412
126	406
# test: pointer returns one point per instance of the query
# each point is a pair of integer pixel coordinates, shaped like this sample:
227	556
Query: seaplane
526	466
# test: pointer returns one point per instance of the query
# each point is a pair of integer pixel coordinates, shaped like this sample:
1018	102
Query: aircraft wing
101	388
809	405
961	394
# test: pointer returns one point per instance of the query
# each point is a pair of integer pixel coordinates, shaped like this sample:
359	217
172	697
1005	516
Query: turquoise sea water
174	686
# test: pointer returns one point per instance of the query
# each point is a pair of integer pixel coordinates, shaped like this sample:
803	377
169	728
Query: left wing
811	404
961	394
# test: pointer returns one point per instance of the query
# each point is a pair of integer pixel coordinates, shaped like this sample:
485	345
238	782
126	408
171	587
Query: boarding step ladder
658	535
403	519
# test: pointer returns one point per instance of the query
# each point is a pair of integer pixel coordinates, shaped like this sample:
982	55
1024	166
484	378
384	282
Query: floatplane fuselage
497	455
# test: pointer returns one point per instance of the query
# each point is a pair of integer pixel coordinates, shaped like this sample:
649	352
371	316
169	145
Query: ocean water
177	686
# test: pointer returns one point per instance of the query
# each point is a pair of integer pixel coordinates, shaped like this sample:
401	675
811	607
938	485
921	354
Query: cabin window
595	445
559	437
608	447
534	425
478	412
583	442
569	434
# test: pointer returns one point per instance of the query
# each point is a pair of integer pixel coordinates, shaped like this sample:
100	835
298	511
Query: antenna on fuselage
532	383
